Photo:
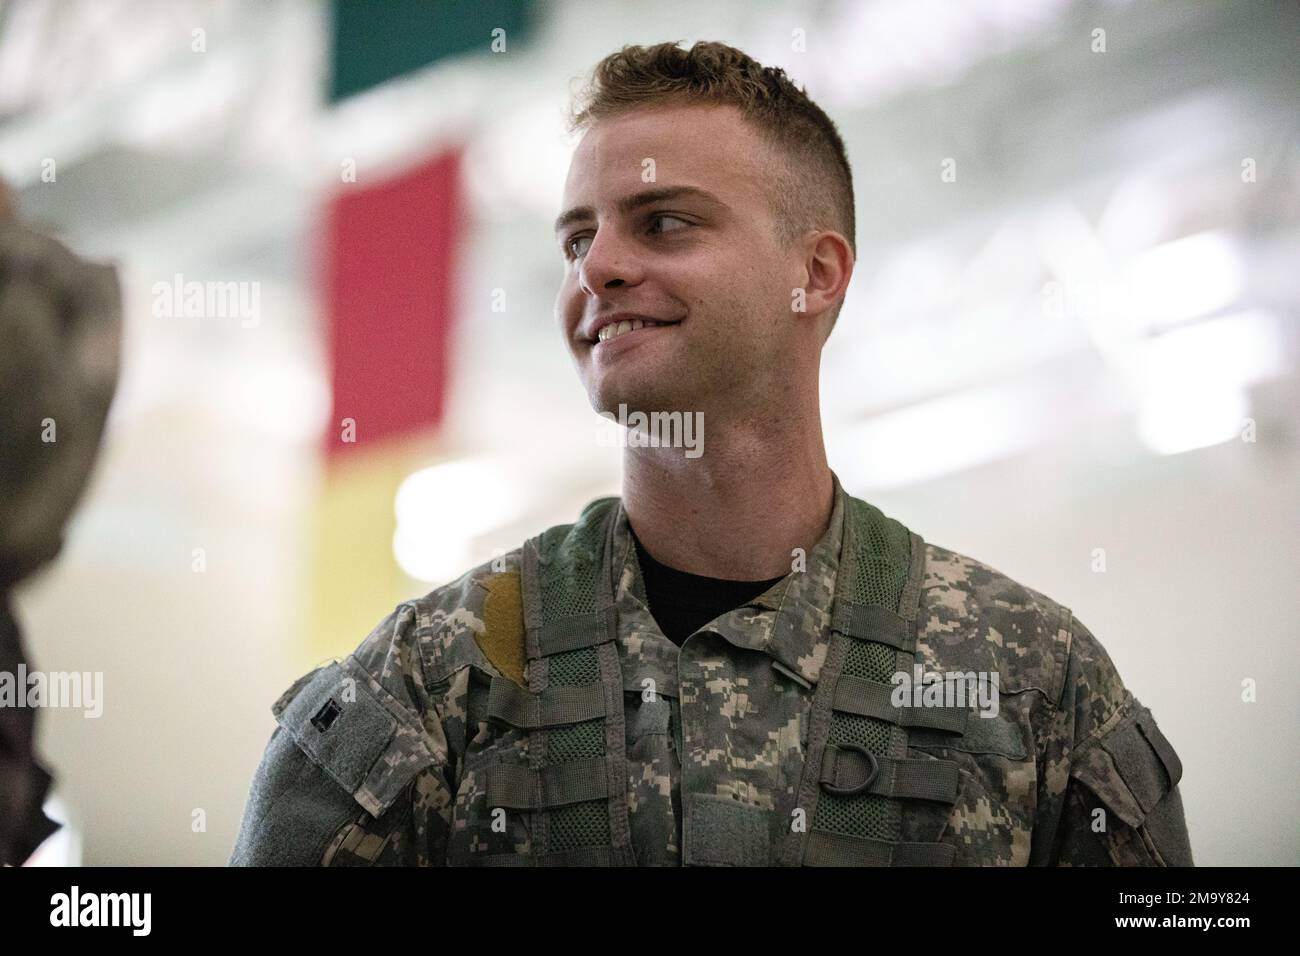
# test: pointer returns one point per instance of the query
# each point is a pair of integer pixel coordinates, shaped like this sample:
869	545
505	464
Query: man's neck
739	510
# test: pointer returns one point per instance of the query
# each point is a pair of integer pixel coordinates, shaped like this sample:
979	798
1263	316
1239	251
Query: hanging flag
376	42
388	278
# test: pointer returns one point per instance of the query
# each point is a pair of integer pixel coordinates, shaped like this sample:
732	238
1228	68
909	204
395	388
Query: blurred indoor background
1072	327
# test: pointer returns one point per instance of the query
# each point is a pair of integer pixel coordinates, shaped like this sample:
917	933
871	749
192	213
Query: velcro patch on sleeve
502	638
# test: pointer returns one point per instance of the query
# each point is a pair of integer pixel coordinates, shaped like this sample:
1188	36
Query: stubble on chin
680	388
633	398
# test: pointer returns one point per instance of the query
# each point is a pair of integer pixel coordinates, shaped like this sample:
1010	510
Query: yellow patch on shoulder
502	637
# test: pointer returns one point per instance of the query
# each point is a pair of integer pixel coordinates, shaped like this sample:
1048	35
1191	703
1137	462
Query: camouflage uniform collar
789	622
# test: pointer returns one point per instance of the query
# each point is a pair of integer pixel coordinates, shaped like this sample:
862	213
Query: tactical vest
856	776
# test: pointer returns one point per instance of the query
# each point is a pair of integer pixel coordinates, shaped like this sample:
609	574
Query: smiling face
696	247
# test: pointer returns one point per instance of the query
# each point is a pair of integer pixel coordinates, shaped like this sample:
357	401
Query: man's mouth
616	329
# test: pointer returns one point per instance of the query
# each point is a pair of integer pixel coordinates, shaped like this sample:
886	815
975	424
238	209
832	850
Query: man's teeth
615	329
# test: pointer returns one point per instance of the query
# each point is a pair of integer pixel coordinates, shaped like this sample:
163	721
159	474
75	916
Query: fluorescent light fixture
1194	380
1184	279
442	509
1189	415
1240	349
432	561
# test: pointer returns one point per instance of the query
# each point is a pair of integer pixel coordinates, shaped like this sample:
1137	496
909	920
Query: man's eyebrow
637	200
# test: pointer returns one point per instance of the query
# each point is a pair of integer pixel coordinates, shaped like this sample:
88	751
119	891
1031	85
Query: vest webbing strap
868	698
839	849
572	633
518	787
552	707
915	779
871	622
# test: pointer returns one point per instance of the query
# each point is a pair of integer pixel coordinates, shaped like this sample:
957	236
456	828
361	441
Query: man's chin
624	401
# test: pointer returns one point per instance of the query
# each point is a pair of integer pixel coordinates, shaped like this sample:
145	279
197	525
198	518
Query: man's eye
569	244
573	252
660	217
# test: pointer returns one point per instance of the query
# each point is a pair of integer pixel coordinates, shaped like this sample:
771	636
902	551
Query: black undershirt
681	603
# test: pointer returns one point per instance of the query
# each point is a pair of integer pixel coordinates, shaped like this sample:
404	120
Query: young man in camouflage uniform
711	669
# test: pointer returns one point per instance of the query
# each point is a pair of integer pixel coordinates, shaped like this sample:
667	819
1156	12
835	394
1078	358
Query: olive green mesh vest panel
568	586
884	557
568	579
883	561
586	823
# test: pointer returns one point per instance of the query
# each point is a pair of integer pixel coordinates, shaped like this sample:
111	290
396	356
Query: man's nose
608	264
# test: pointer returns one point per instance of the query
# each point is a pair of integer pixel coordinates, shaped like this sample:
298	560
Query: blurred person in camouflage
60	322
736	663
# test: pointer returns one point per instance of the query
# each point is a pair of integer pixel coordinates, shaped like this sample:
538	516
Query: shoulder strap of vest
566	597
576	798
873	596
858	771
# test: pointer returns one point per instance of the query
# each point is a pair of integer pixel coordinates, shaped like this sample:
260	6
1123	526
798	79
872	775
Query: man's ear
828	267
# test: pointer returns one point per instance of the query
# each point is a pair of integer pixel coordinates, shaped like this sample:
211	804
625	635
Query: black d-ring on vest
873	768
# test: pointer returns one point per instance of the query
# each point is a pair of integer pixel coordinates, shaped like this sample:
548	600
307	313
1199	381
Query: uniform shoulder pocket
1130	768
366	742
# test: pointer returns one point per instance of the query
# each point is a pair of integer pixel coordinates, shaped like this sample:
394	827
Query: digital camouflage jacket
888	702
